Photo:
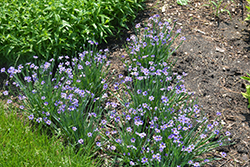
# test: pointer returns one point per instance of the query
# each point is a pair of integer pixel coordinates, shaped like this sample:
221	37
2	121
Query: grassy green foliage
50	28
182	2
77	89
248	8
247	94
22	145
216	7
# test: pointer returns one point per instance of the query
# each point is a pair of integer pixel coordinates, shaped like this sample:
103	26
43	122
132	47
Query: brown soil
215	55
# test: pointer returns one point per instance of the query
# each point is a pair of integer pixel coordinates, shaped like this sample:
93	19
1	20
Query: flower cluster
67	100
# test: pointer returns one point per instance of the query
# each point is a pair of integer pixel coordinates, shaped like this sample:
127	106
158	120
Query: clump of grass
68	103
158	125
22	145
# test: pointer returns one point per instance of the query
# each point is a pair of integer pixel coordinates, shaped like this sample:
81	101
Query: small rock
219	50
200	31
245	157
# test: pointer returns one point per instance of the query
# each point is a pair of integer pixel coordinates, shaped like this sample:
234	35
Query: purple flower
89	134
178	31
203	136
131	163
144	160
164	99
196	164
113	148
120	75
157	138
216	132
11	70
129	129
133	140
228	133
98	144
5	93
210	126
38	120
80	141
151	98
31	117
183	38
87	63
216	123
145	93
2	69
105	86
9	101
142	134
137	25
21	107
46	65
74	128
189	149
104	122
48	122
223	154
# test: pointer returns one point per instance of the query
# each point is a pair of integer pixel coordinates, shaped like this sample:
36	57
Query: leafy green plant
248	8
59	27
23	145
182	2
247	94
216	7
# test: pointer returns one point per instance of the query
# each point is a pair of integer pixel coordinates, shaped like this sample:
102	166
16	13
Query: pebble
245	157
219	50
200	31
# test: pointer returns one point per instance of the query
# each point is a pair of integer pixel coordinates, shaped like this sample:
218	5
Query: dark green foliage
50	28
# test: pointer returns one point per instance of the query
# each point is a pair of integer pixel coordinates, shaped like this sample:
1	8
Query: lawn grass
21	145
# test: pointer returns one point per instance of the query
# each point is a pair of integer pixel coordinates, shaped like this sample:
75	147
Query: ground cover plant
65	102
156	126
22	145
52	28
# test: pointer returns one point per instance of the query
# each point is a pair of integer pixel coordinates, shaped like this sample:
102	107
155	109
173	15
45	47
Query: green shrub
50	28
248	8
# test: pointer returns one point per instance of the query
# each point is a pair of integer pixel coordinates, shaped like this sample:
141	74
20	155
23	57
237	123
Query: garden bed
215	56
